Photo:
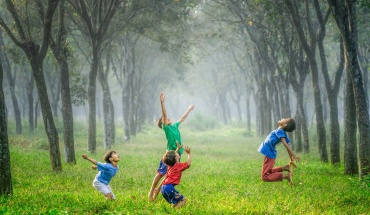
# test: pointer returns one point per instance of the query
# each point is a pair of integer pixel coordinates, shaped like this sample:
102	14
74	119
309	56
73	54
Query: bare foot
180	203
290	168
290	179
150	196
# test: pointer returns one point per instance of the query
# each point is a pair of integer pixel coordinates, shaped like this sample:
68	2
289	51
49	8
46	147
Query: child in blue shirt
106	172
268	148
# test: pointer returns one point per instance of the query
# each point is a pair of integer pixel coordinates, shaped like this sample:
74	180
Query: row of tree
258	50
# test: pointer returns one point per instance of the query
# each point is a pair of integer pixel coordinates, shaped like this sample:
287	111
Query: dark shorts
171	195
162	169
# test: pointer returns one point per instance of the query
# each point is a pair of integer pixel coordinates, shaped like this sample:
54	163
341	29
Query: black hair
159	122
169	158
290	125
109	155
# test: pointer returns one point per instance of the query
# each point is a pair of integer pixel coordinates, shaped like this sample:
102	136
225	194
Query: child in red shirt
173	177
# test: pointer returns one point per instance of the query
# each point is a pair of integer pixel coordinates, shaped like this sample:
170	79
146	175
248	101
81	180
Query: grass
223	179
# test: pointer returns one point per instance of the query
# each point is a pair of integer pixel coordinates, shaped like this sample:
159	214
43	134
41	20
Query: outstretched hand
162	97
178	146
294	158
85	156
187	149
191	107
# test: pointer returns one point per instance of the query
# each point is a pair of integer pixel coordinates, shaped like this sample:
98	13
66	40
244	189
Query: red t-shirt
174	173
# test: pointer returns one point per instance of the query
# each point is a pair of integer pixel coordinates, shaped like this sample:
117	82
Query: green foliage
224	178
364	3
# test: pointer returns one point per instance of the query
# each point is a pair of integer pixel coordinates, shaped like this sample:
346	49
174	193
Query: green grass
224	178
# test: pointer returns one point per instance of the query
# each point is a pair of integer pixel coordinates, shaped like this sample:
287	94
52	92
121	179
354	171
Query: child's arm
187	150
178	146
164	113
89	159
290	152
191	107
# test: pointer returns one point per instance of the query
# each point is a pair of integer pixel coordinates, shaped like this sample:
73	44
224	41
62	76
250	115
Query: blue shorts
171	195
162	169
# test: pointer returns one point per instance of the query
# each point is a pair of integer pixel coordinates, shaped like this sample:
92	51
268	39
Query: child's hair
159	122
290	125
169	158
109	155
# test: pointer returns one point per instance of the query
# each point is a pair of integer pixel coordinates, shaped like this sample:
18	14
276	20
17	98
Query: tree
309	47
96	17
344	13
61	52
22	37
11	74
6	187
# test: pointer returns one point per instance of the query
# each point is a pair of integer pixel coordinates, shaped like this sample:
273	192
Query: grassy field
224	179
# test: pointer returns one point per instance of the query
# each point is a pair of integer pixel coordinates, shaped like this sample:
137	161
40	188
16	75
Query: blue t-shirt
268	146
106	172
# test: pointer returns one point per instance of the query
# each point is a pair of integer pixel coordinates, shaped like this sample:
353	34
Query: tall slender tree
344	12
6	187
59	47
96	17
36	53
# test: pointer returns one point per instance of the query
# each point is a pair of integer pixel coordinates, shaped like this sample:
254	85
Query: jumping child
106	172
268	148
173	176
172	135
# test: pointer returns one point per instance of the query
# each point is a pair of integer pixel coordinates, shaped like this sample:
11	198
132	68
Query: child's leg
270	174
162	170
154	185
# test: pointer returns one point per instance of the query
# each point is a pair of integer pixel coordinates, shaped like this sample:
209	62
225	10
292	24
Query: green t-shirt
172	134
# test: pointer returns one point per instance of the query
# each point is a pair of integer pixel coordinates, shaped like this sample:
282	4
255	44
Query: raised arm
292	156
187	150
89	159
164	113
191	107
178	146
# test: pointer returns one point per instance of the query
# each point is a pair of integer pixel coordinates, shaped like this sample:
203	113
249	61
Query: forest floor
224	178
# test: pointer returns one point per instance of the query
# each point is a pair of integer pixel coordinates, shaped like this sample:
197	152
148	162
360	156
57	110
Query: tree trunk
11	79
91	92
297	144
6	187
107	106
345	17
333	103
350	128
60	51
47	116
309	49
67	113
32	115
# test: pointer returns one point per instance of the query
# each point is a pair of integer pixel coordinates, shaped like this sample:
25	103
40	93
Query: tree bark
6	187
60	51
108	109
11	76
350	128
309	49
344	13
